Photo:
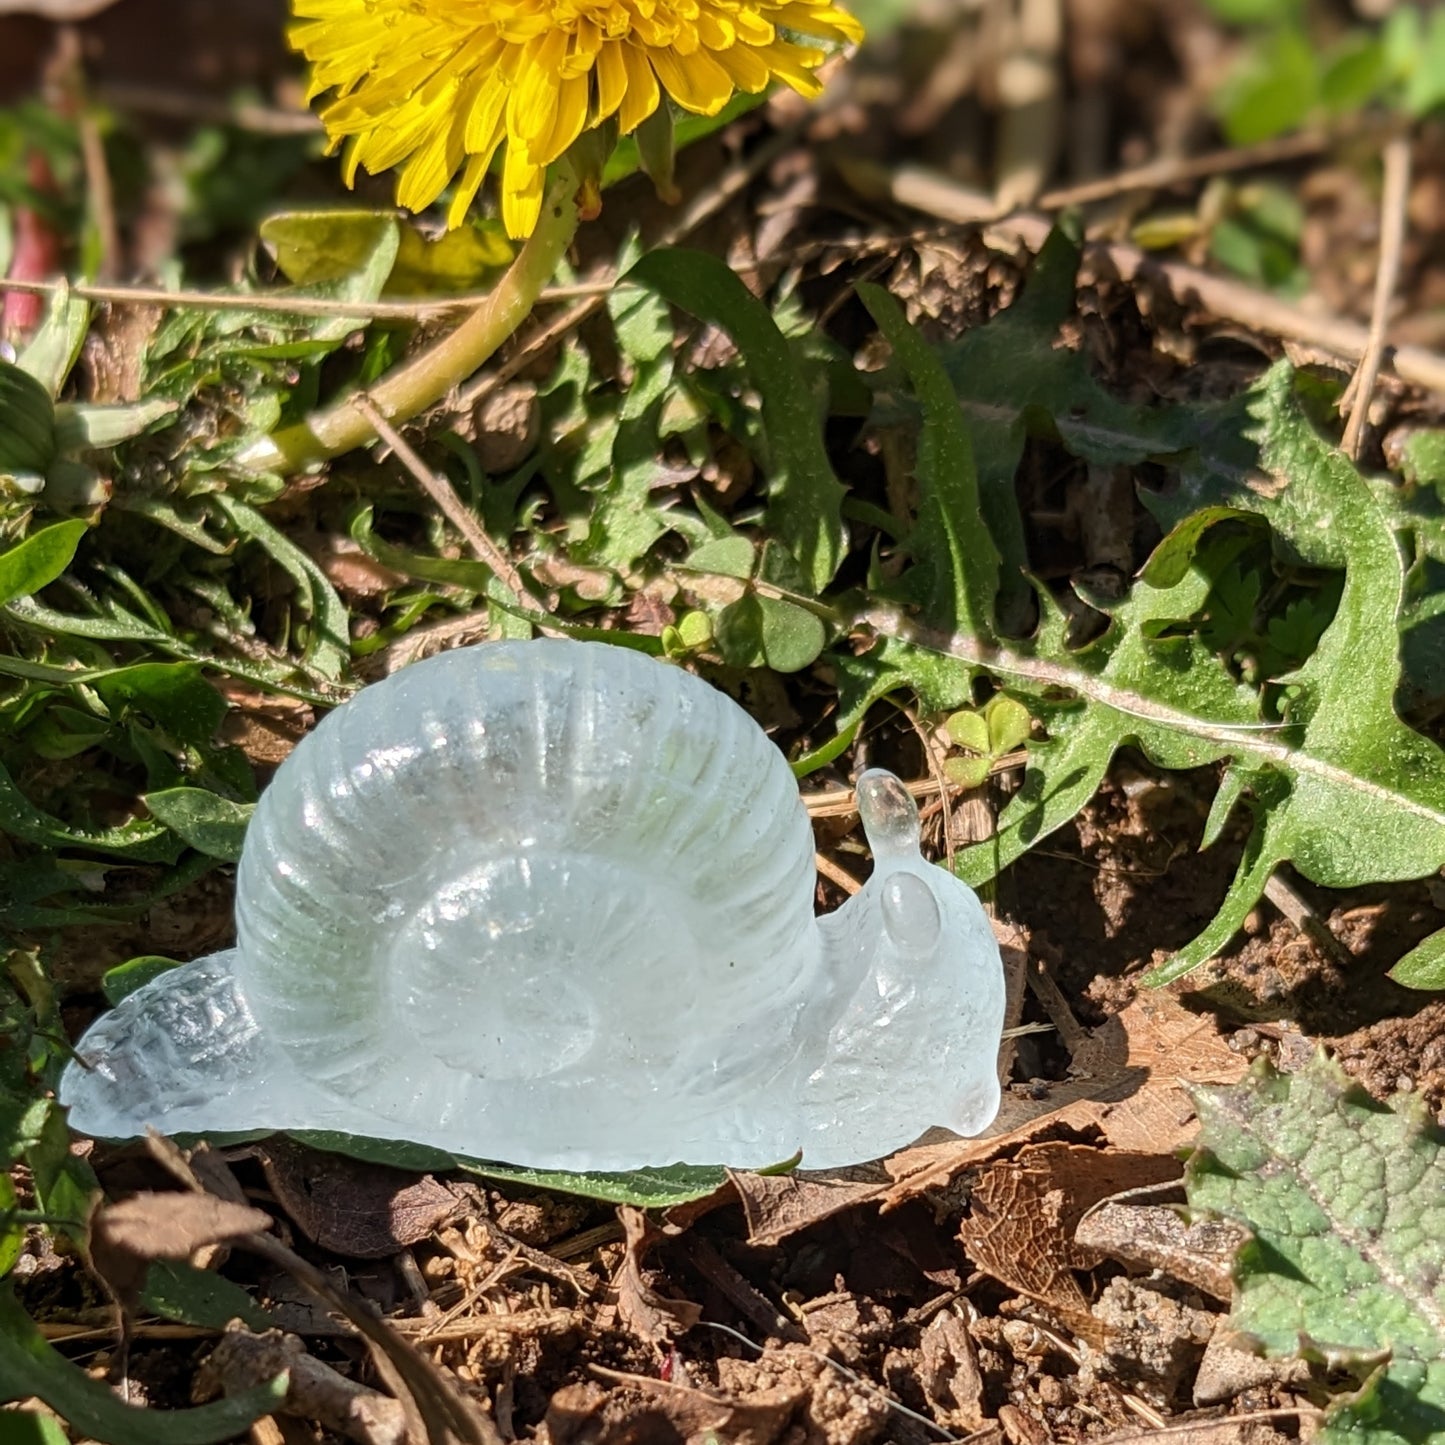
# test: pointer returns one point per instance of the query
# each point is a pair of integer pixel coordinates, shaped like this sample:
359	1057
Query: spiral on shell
551	902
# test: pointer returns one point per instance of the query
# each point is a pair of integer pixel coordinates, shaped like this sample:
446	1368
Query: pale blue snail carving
551	903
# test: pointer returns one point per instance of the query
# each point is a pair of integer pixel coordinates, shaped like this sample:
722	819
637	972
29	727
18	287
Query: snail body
550	902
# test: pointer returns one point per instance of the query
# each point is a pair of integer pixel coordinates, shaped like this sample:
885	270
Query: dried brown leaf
366	1211
778	1205
127	1238
649	1315
645	1411
1023	1213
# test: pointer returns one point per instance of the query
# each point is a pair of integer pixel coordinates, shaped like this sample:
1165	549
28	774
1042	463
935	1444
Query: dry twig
1393	207
443	494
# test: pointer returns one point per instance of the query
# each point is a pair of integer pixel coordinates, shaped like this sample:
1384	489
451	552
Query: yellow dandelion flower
437	86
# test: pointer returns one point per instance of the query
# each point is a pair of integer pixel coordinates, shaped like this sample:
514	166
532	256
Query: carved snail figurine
552	903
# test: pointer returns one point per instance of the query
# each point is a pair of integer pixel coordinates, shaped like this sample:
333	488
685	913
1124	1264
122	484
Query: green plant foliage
179	1291
955	572
988	734
121	981
38	560
1258	237
1424	965
1013	383
30	1427
768	632
646	1188
1280	659
1297	67
30	1368
211	824
625	522
1345	1203
805	498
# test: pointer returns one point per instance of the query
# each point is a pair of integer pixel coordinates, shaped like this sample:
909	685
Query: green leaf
463	572
211	824
1272	90
27	423
346	255
65	1185
466	259
1424	965
1013	381
312	247
139	840
969	730
1009	724
955	577
1422	458
767	632
39	559
328	649
1354	72
647	1188
805	498
29	1367
724	557
1344	1199
30	1427
12	1231
1425	89
1355	796
625	519
175	695
792	637
52	350
179	1291
89	427
968	773
121	981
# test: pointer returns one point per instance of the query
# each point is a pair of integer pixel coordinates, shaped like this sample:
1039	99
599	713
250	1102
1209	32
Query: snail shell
551	902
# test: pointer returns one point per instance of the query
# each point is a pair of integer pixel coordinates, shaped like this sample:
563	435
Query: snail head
908	905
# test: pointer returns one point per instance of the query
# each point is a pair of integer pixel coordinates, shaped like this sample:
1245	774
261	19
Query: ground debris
949	1373
779	1205
1198	1252
642	1411
350	1206
1151	1342
242	1360
647	1313
1023	1213
127	1238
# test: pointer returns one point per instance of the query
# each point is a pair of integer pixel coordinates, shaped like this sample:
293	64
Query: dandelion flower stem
423	380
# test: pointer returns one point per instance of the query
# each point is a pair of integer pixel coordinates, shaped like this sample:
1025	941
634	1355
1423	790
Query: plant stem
423	380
